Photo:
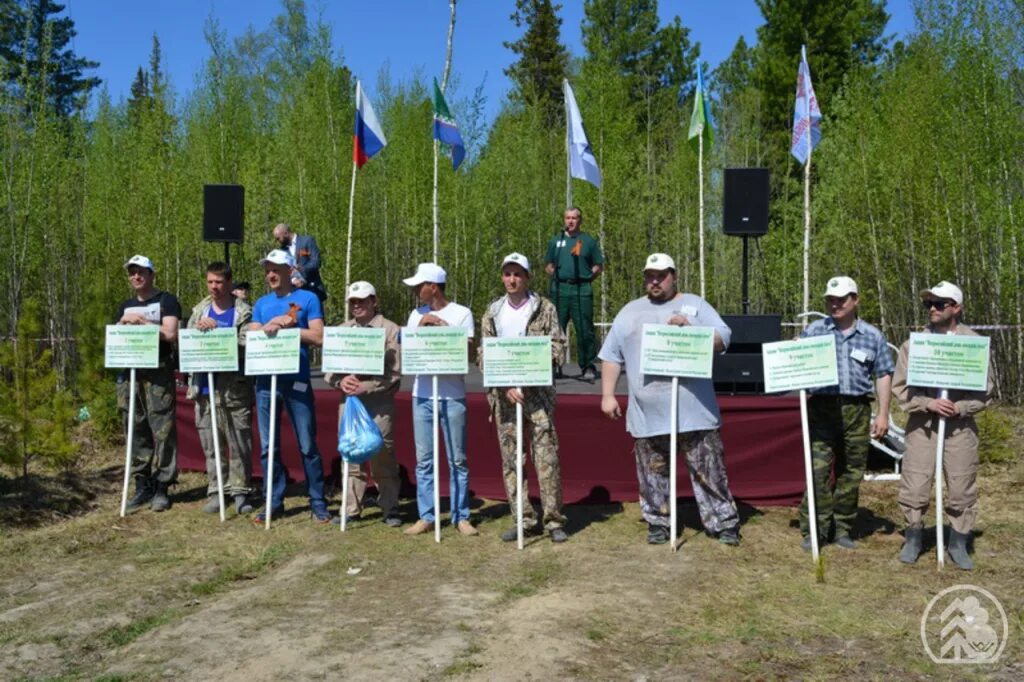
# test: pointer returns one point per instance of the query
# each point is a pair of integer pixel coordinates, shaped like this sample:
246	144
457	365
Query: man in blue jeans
286	307
435	310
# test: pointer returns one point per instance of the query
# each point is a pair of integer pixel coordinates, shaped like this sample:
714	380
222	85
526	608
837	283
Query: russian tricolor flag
368	138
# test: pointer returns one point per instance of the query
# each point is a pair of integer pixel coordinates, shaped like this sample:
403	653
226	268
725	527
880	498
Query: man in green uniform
574	260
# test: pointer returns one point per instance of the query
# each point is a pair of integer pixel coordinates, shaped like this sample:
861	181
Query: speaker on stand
223	215
745	212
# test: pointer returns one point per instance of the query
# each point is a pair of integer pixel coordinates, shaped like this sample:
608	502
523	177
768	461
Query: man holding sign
648	417
839	417
286	307
155	438
522	312
233	393
925	407
377	392
435	310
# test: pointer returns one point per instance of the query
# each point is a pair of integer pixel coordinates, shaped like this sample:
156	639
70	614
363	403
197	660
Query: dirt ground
85	594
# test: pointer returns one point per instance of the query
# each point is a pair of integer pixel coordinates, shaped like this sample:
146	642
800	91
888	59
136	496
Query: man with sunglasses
944	303
839	417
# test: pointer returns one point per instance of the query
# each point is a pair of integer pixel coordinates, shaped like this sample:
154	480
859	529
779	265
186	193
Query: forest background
919	176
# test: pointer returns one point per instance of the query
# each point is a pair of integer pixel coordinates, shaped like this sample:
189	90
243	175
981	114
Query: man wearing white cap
286	307
522	312
944	304
435	310
648	417
839	417
378	396
155	437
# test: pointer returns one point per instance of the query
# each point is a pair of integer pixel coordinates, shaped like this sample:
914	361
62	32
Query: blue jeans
303	418
452	420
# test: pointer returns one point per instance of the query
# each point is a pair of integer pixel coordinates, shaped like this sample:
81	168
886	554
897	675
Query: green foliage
543	60
995	438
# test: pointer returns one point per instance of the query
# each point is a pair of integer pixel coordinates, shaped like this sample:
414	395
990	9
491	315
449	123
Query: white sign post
131	346
946	361
211	350
670	350
802	364
434	351
272	355
518	361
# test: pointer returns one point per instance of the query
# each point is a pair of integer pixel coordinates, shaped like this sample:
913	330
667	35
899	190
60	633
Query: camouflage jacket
243	316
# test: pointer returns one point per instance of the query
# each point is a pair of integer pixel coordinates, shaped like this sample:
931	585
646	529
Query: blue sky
406	35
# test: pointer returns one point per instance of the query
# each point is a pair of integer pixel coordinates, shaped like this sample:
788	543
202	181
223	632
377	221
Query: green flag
700	121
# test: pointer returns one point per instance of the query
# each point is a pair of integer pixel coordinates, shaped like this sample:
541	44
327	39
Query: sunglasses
938	305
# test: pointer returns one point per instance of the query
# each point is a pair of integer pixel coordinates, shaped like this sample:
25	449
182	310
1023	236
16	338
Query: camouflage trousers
840	438
234	424
706	463
154	436
539	433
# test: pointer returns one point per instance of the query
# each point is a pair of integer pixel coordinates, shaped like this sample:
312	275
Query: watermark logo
964	624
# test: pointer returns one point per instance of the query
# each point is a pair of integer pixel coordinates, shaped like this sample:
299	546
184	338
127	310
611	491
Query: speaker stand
227	256
745	297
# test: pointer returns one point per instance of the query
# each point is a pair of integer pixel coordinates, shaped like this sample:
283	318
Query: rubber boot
161	501
958	550
912	545
143	494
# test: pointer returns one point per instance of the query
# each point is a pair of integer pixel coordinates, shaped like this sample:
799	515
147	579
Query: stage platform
761	436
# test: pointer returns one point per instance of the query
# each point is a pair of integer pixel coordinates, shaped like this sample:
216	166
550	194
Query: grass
122	635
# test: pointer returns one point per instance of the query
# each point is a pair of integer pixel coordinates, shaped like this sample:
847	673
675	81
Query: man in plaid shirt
839	417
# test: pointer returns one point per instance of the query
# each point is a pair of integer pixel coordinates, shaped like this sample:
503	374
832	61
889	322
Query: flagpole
700	200
807	189
351	204
568	160
434	204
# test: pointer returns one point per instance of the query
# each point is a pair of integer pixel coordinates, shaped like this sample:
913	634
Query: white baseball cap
140	261
841	286
945	289
361	290
659	261
279	257
426	272
517	258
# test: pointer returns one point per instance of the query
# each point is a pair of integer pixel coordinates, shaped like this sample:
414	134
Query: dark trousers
576	302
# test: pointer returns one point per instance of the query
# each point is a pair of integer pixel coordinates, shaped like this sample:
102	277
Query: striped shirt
860	356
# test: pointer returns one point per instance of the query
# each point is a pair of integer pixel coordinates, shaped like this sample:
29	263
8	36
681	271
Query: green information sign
132	345
215	350
670	350
796	365
948	361
435	350
353	350
277	354
517	361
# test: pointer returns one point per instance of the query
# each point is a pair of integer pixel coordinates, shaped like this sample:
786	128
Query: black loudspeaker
746	202
223	210
740	369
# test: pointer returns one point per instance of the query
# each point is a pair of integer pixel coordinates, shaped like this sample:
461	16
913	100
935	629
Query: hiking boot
212	505
845	541
912	544
729	536
393	521
466	528
657	535
419	527
161	500
558	536
512	534
242	505
143	494
958	549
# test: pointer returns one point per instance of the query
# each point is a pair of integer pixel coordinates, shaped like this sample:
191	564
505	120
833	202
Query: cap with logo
426	272
659	261
279	257
140	261
361	290
945	289
517	258
840	286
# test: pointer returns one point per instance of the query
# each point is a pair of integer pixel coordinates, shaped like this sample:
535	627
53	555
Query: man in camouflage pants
234	395
521	312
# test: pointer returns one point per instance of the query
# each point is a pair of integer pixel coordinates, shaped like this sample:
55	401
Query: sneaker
589	374
393	521
657	535
212	505
846	542
729	536
242	505
466	528
325	517
806	544
419	527
261	518
558	536
512	534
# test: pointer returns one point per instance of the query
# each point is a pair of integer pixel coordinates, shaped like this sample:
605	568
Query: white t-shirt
513	321
449	386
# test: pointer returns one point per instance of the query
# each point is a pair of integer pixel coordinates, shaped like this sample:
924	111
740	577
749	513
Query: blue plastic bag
359	438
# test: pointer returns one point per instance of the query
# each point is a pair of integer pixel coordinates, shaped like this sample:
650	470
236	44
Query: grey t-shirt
650	397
